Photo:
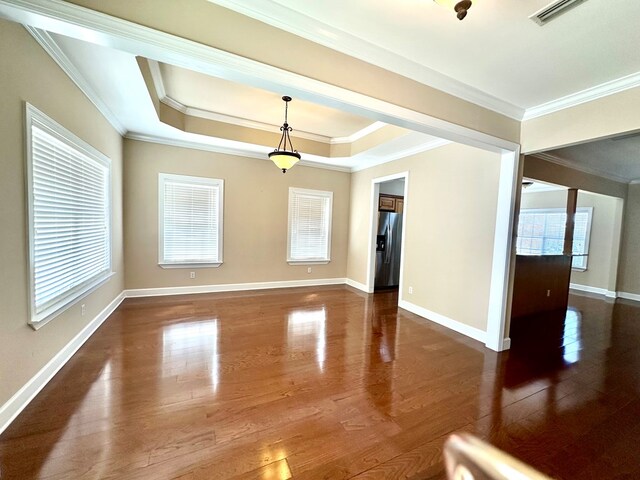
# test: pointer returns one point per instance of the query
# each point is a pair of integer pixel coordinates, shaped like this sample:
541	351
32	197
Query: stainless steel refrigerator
388	244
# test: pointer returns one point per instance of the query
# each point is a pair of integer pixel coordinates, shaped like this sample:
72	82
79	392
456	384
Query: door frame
373	229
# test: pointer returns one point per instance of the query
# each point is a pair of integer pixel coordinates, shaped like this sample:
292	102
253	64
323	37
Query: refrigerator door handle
389	243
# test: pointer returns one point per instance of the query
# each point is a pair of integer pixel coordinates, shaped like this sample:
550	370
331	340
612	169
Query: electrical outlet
192	275
309	270
410	290
548	293
83	309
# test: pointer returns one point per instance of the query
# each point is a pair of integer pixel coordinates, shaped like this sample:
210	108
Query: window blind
70	219
191	220
541	232
309	225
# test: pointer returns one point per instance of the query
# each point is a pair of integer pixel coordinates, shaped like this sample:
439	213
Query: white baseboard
598	291
230	287
454	325
358	285
629	296
12	408
506	344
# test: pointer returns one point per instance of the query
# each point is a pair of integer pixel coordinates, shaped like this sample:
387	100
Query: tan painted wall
210	24
27	73
450	221
629	274
255	216
605	233
605	117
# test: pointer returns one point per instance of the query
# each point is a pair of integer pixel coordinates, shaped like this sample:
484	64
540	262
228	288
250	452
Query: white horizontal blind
191	219
69	219
309	225
541	232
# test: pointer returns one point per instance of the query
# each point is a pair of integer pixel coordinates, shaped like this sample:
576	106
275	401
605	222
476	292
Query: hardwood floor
329	383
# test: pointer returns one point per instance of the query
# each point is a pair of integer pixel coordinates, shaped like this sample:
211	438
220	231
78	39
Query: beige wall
27	73
604	242
210	24
450	221
629	274
255	216
605	117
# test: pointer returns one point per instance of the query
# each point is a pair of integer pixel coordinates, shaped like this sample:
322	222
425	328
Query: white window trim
589	210
205	181
35	116
319	193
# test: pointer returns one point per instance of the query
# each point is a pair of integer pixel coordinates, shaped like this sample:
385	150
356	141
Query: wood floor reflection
329	383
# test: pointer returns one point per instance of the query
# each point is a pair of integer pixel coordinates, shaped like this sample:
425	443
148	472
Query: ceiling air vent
551	11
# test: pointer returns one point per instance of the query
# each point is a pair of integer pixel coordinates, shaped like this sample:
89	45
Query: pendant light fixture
460	7
283	158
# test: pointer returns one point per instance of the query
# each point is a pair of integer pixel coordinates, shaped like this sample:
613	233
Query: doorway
389	206
556	263
389	235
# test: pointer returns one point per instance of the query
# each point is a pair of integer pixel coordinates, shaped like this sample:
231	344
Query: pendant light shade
283	158
460	7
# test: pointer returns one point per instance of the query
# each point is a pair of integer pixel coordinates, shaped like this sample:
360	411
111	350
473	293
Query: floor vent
551	11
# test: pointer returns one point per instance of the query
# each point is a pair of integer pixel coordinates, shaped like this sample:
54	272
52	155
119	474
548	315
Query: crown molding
237	151
55	52
576	166
362	164
245	122
635	182
170	102
156	78
79	18
72	20
365	162
375	126
584	96
267	127
158	84
304	26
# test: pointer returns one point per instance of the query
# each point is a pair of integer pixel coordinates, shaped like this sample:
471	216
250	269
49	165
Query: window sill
69	302
189	265
308	262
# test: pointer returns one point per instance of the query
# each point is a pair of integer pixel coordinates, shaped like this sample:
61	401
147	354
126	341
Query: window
190	217
541	232
309	226
69	185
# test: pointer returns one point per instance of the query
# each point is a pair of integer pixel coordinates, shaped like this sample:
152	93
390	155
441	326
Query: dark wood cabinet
390	203
386	203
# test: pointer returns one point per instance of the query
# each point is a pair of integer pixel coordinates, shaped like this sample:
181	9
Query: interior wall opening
567	245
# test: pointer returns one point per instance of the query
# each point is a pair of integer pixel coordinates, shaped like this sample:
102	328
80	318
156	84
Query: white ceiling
618	159
497	50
